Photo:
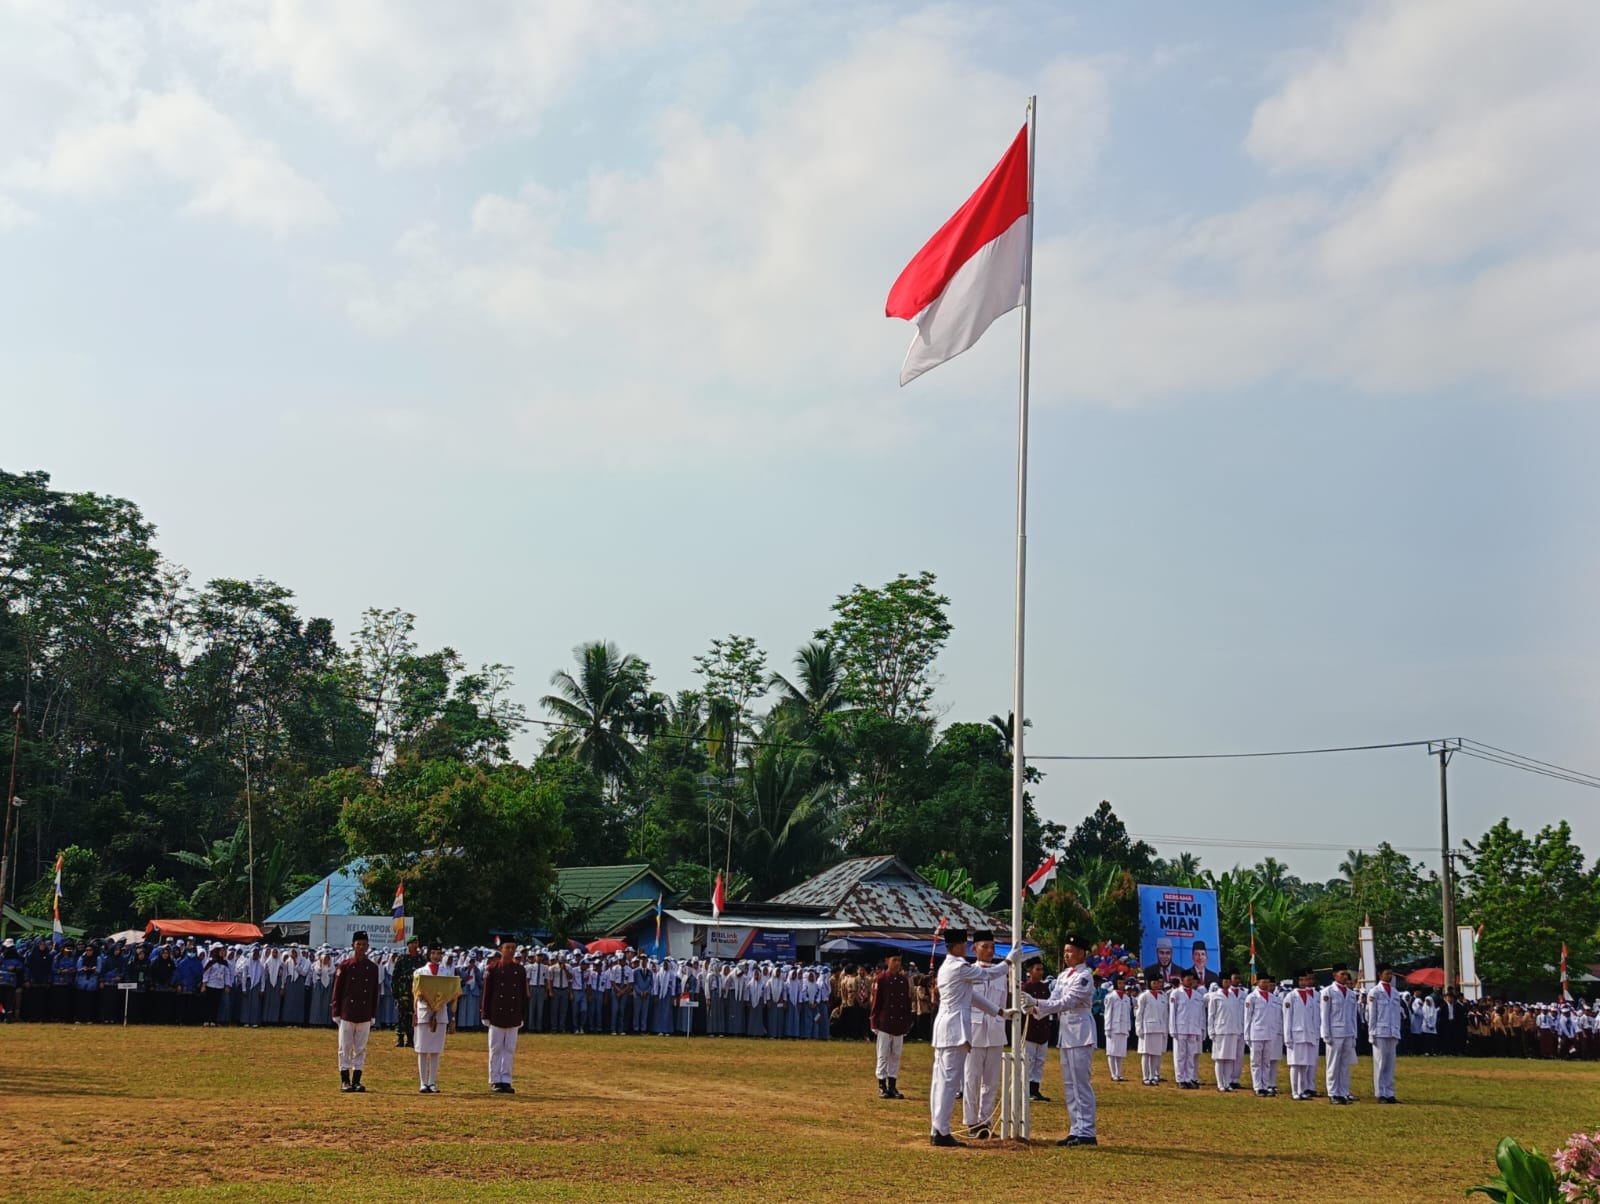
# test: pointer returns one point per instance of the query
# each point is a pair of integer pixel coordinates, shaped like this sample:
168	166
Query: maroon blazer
505	994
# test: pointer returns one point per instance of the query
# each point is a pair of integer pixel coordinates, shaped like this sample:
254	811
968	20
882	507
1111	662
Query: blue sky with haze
551	322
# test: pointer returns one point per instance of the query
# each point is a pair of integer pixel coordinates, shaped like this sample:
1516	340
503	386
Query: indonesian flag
400	913
327	893
1566	992
1042	876
717	899
56	927
972	271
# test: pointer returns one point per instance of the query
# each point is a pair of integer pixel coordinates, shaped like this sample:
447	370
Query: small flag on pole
58	936
937	936
658	925
1041	877
969	273
400	913
717	900
327	893
1252	942
1566	992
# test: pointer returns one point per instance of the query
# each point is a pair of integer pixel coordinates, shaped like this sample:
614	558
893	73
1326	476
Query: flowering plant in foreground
1577	1167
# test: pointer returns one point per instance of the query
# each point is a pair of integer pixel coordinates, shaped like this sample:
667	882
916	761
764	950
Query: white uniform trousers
353	1044
1076	1062
949	1063
1036	1051
1302	1068
1186	1058
981	1089
889	1048
502	1051
1341	1061
1383	1066
1264	1065
1152	1049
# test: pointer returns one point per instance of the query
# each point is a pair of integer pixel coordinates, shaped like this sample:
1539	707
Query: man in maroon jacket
354	1006
891	1021
505	1008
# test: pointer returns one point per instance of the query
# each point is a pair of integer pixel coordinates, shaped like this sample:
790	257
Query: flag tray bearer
433	992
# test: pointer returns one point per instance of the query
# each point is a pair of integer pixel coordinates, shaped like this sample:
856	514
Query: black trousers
405	1018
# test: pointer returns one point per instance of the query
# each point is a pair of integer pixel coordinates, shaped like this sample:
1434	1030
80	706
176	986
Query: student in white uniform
1151	1022
1384	1007
981	1083
1225	1024
1341	1009
430	1024
1302	1029
952	1029
1072	998
1118	1012
1263	1030
1188	1025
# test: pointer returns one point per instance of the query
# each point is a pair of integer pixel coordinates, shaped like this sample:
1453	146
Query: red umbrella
1428	976
608	944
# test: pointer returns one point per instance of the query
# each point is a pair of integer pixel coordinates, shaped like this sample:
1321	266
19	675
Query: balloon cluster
1108	960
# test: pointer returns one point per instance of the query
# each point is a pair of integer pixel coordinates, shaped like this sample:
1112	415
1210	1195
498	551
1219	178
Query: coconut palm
785	831
601	707
816	691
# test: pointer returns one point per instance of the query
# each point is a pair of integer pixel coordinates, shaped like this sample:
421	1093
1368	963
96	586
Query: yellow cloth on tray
435	990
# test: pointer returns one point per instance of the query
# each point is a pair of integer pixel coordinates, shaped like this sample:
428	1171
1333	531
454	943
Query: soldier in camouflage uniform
407	964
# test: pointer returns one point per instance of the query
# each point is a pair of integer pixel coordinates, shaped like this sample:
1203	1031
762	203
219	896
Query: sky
552	322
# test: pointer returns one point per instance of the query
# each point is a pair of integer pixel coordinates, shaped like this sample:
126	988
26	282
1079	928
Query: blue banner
1177	930
771	945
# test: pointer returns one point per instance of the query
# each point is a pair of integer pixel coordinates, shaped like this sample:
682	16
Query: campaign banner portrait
1178	929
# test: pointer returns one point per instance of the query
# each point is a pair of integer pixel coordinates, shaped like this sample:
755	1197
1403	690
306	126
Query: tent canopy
1428	976
217	930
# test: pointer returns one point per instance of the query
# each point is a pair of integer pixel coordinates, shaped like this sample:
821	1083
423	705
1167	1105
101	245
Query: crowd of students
192	983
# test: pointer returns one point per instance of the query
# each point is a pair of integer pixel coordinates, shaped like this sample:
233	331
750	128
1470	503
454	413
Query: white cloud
420	80
12	214
180	136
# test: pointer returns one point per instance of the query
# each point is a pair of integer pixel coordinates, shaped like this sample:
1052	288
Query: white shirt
953	1025
1072	998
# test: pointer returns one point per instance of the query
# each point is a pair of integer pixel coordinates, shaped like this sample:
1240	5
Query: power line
1297	846
1545	773
1534	761
1289	752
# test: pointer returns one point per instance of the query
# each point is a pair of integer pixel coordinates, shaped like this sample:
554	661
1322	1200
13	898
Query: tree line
209	750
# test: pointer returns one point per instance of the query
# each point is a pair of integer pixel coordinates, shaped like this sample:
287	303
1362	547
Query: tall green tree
887	639
476	847
1102	836
1531	895
601	705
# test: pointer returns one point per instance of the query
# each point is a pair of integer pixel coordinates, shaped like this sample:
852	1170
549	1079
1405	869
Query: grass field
207	1113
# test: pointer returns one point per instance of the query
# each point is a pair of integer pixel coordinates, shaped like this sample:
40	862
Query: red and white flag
1042	876
972	271
717	900
327	893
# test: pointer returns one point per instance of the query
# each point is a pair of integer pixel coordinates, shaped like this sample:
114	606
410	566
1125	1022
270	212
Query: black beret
955	936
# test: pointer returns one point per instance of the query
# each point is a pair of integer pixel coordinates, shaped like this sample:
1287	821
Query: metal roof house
616	900
343	887
883	897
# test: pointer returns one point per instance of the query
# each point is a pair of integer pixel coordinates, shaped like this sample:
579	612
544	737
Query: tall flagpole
1014	1102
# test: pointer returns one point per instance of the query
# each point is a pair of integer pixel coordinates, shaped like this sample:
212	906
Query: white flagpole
1014	1102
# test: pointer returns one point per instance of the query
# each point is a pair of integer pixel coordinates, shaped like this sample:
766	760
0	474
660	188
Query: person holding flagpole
952	1027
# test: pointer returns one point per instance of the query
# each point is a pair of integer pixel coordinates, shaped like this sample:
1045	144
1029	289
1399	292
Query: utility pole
11	805
1447	874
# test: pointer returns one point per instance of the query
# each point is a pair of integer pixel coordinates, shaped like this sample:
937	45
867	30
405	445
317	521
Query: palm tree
224	892
786	833
1007	728
817	691
601	706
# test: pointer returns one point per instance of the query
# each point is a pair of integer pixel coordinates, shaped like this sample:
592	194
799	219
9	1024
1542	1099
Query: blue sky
551	322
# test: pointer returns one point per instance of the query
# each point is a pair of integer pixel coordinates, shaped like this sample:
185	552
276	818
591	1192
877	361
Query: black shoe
1338	1099
883	1089
1077	1141
945	1140
894	1089
983	1133
346	1087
